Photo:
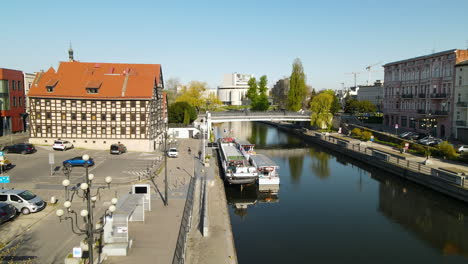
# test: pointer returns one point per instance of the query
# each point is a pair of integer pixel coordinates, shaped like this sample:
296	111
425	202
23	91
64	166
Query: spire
70	53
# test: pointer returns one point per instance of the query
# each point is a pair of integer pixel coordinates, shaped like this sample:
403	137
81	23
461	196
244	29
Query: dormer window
92	87
50	85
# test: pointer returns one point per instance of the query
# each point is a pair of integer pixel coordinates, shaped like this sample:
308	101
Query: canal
332	209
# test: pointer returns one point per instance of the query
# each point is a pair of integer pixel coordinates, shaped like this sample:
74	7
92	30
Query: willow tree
321	107
297	86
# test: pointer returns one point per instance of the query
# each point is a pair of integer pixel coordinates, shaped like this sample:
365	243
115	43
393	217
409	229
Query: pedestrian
189	150
199	154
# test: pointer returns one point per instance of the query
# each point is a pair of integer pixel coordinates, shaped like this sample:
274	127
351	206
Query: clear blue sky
202	40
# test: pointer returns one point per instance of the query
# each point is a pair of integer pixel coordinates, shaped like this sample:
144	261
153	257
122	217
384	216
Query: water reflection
320	165
440	221
242	198
295	167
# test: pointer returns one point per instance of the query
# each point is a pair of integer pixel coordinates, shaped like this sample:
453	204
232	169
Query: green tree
252	92
336	106
179	111
297	86
186	117
366	106
321	115
193	94
262	99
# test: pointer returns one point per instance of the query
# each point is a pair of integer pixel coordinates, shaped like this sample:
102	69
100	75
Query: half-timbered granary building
94	105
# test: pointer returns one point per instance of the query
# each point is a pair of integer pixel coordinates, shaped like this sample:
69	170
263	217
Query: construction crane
368	68
355	76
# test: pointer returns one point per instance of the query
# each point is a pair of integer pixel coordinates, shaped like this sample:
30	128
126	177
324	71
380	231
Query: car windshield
27	195
114	147
172	150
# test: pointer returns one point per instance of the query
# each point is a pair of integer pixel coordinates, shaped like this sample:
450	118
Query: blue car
78	161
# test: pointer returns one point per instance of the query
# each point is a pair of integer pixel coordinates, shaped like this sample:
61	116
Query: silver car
23	200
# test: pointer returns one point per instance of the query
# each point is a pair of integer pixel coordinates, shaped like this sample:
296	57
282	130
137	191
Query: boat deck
263	161
232	152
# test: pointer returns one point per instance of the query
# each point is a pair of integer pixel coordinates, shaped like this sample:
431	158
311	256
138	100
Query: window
47	102
93	117
92	90
113	117
63	103
93	130
49	129
19	86
83	130
13	85
133	130
123	117
142	130
123	104
103	130
73	129
132	103
14	198
73	103
38	115
3	197
50	89
122	130
142	117
113	130
38	102
73	116
83	103
113	104
14	101
64	116
83	116
103	117
20	101
48	115
64	130
142	103
39	129
132	117
93	104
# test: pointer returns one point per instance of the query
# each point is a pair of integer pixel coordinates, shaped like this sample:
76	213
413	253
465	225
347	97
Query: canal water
332	209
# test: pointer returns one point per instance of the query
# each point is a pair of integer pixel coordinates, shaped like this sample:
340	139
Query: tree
262	99
366	106
171	87
193	94
336	106
212	102
179	111
297	87
252	92
320	107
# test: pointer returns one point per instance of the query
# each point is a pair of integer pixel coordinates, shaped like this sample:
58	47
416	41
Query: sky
203	40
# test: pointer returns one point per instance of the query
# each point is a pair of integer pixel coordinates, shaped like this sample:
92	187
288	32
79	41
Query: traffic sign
396	126
77	252
1	153
4	179
51	158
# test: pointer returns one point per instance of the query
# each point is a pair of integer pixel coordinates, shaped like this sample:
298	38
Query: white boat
268	177
237	168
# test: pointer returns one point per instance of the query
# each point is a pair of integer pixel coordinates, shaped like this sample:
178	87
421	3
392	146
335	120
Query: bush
356	132
447	150
366	135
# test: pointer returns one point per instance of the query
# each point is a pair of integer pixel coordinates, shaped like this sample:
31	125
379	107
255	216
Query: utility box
146	190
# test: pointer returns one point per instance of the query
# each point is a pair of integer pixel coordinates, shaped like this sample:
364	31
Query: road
41	236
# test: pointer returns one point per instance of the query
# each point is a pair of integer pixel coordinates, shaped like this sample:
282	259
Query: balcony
439	112
439	96
406	96
421	111
462	104
422	95
460	123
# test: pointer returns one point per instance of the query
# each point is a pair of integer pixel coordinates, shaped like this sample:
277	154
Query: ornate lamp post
83	190
429	123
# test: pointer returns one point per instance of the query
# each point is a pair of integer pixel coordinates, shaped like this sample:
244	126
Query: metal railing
261	113
181	245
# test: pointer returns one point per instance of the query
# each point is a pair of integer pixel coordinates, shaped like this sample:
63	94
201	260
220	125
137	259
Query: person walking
199	154
189	150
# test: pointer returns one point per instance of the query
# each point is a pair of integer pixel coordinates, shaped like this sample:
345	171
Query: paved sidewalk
154	240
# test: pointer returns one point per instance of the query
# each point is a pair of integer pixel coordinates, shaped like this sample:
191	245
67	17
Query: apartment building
12	102
95	105
422	88
279	93
372	93
460	115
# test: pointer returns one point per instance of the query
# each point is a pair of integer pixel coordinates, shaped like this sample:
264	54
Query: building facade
95	105
460	116
28	81
279	93
12	102
234	89
372	93
422	88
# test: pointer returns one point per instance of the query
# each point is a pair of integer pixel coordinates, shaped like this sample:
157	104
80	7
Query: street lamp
83	190
429	123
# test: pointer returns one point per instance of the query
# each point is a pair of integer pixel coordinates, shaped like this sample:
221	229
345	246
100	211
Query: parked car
118	149
78	161
23	200
462	149
434	142
424	139
417	136
23	148
405	134
62	145
173	153
7	212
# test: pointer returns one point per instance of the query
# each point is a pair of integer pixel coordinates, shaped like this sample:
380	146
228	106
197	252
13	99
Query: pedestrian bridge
233	116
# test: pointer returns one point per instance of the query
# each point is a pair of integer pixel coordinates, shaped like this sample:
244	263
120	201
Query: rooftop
422	57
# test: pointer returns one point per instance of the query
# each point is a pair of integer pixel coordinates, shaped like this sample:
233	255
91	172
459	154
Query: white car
62	145
462	149
172	152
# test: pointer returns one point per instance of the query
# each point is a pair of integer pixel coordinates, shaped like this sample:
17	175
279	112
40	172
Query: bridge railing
261	113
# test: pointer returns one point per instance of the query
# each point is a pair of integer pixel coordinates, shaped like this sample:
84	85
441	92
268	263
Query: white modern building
234	88
372	93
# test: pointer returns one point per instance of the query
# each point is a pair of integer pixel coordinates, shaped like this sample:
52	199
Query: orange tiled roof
114	80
